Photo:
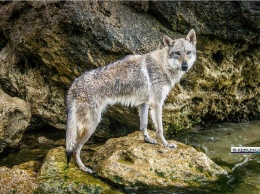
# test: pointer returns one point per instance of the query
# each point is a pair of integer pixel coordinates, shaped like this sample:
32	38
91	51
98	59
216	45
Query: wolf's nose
184	66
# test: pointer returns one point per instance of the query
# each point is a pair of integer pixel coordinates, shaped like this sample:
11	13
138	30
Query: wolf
141	81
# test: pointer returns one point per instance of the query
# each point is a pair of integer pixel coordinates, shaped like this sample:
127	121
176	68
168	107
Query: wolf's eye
177	53
188	53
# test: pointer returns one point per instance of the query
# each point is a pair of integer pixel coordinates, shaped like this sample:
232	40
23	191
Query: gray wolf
143	81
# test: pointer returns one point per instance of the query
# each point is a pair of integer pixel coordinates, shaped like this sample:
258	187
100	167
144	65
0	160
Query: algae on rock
56	177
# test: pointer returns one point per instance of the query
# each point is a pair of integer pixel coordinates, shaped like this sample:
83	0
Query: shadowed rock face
46	45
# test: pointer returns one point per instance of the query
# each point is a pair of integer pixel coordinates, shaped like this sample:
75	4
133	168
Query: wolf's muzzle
184	66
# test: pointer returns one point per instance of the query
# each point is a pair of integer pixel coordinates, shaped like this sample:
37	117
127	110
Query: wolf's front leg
143	113
156	114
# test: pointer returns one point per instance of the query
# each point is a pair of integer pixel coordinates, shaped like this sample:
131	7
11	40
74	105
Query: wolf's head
182	51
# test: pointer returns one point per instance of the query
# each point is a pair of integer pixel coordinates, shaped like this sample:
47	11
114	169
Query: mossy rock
56	177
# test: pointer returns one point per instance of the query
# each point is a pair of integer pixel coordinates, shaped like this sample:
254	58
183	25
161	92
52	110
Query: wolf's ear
192	37
167	41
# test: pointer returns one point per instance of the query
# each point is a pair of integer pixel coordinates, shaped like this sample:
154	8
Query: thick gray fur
143	81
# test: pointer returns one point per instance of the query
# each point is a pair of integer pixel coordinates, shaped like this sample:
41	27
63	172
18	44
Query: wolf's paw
150	140
170	145
88	170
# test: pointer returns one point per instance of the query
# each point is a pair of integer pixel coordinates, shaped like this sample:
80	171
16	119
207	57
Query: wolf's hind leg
143	113
83	137
88	127
77	154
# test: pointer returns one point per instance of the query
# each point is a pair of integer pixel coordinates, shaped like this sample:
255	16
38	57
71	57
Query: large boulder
49	44
15	116
131	162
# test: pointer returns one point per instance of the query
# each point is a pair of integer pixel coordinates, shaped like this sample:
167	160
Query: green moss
159	173
56	176
117	179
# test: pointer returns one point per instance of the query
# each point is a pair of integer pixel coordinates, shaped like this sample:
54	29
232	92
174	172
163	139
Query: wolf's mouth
184	69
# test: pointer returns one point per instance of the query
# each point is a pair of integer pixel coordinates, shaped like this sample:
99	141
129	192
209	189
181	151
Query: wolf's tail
71	135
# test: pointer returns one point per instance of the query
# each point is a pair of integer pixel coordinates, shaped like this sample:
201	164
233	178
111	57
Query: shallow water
216	141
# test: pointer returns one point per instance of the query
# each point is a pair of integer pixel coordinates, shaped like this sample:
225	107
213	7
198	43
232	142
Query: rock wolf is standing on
137	80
